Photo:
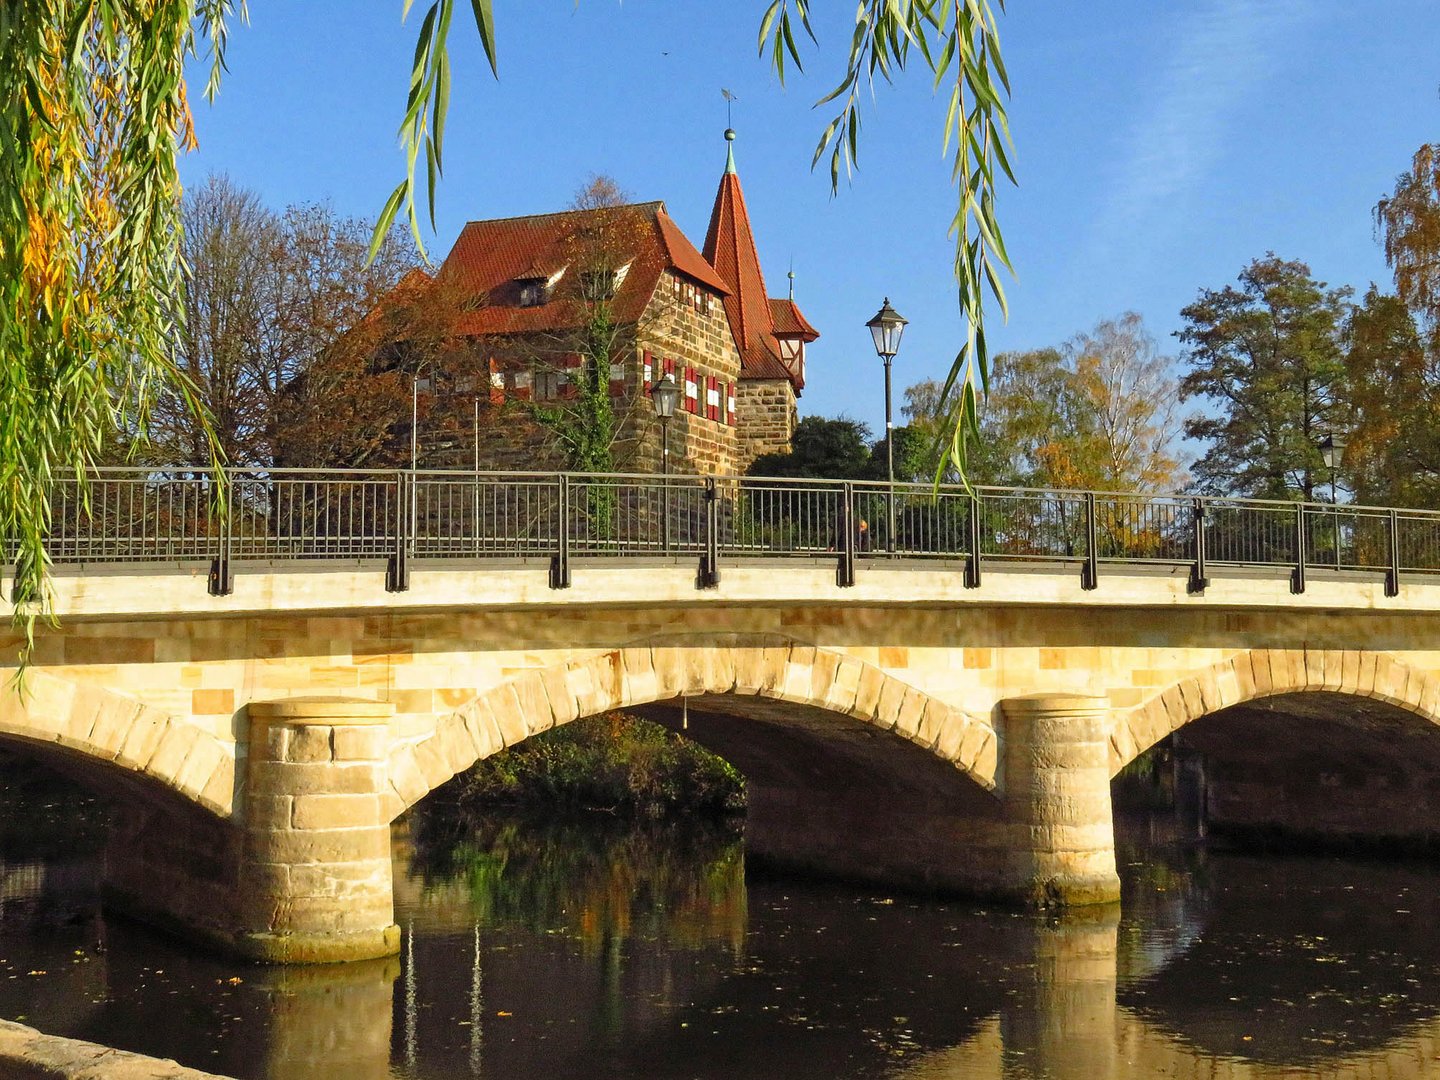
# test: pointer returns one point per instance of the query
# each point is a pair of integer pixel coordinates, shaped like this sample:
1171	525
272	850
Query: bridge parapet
401	518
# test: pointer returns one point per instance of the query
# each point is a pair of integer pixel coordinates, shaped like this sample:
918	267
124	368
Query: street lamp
886	328
665	395
1332	452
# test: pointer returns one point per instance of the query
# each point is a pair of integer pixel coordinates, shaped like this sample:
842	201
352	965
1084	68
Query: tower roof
730	249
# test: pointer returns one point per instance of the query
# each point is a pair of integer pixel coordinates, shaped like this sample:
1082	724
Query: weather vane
729	97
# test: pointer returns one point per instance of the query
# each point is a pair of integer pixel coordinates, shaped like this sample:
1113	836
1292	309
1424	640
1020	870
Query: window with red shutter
692	391
647	369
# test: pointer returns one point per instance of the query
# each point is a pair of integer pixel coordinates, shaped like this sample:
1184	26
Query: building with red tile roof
529	288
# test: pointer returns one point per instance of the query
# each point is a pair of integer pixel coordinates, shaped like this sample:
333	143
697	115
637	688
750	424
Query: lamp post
665	395
886	328
1332	452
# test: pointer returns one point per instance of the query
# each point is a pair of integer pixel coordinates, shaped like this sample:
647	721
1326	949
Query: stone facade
768	414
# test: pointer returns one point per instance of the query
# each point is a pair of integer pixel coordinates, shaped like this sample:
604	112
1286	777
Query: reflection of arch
766	665
1260	673
106	733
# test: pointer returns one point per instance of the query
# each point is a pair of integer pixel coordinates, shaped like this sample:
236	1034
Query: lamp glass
666	395
1332	450
886	328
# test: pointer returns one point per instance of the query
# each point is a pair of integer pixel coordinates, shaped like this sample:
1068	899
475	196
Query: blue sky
1159	146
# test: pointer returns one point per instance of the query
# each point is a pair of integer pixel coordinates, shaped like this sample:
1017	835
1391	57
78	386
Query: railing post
398	577
710	562
1392	534
222	580
1297	573
1090	572
1198	580
560	561
845	541
972	565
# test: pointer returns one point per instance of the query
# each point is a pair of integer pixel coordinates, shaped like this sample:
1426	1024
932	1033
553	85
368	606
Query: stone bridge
908	727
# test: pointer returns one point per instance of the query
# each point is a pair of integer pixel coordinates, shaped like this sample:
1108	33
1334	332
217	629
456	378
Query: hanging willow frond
959	41
92	114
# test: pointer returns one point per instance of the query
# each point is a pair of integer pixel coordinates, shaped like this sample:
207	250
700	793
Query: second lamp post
665	395
886	328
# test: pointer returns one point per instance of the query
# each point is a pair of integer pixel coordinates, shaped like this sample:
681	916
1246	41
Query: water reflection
607	953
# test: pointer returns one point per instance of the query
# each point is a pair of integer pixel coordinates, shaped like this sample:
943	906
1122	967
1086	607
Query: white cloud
1218	55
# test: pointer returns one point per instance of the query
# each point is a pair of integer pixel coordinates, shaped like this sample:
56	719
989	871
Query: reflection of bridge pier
1062	1023
330	1021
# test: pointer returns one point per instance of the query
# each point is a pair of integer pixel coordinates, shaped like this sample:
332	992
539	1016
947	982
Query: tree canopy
1267	357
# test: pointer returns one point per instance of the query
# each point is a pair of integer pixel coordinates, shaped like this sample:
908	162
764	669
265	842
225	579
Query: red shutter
497	386
730	404
712	398
669	367
692	392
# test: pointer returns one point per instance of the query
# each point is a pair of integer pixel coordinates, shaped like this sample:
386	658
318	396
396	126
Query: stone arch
144	747
1260	673
766	665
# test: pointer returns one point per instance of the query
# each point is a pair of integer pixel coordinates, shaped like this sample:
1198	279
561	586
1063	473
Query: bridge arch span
760	665
120	744
1262	673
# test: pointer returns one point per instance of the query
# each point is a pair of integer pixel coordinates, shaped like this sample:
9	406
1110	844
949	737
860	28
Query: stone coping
27	1054
320	710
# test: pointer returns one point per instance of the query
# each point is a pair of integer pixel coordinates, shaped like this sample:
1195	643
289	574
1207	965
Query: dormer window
602	284
534	292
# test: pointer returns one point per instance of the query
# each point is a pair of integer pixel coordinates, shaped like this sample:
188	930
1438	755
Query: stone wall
681	328
767	411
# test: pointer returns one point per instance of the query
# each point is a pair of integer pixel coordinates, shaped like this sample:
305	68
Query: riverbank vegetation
613	764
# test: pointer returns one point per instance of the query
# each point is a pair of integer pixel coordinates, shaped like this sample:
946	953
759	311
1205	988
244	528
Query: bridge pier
316	878
1061	834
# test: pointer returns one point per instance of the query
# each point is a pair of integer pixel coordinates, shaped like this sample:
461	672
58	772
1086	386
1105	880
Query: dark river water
597	953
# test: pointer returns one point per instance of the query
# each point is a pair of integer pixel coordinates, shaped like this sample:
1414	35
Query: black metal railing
126	516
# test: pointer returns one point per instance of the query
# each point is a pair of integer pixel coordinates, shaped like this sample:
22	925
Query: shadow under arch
660	670
1266	673
1295	750
114	743
850	773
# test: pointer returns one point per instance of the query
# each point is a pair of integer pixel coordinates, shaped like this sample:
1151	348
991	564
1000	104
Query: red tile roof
730	247
788	321
491	258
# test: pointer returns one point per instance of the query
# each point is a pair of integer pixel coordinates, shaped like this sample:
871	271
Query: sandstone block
335	811
366	742
533	702
315	778
310	742
405	776
912	708
509	715
563	706
456	746
323	846
867	691
175	744
430	757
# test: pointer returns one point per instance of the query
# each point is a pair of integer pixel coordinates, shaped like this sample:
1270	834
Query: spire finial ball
729	134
